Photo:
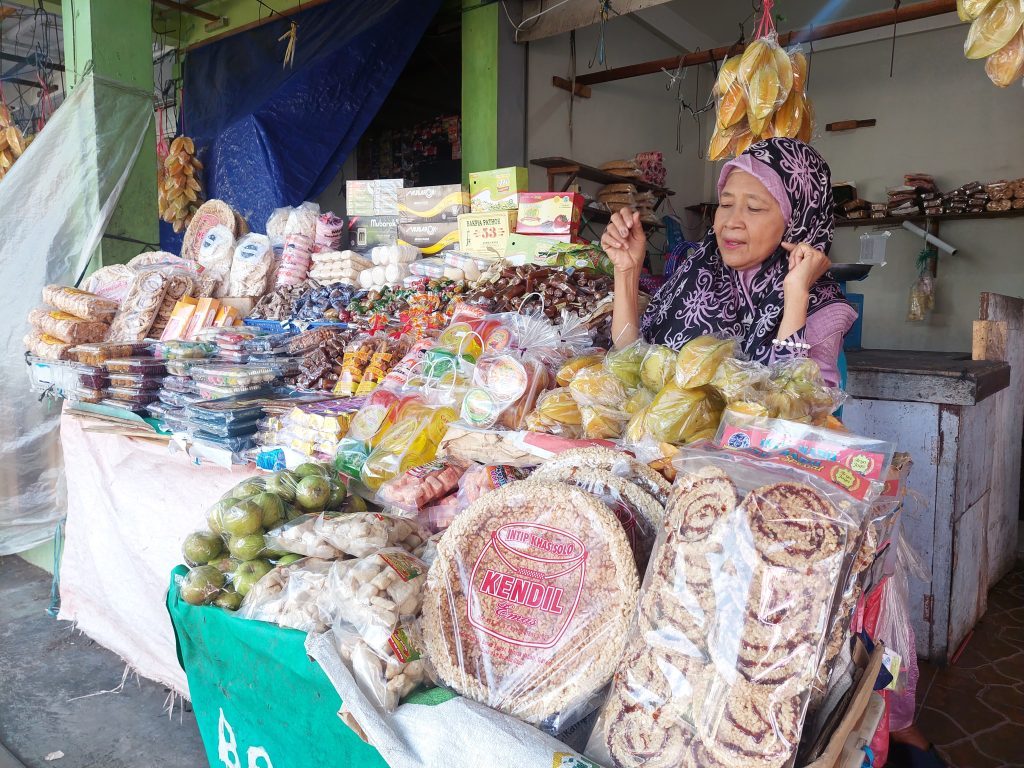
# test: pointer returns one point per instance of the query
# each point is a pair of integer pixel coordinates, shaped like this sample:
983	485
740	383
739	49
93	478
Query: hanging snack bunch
996	33
12	141
761	94
180	193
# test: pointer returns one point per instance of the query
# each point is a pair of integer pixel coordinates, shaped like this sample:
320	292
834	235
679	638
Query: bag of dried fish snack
738	601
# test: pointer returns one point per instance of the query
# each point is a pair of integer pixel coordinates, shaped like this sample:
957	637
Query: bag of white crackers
737	605
372	604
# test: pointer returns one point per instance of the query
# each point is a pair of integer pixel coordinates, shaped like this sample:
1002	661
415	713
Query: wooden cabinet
940	408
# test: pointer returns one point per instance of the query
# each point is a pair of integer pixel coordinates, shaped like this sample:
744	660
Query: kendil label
526	584
405	566
865	463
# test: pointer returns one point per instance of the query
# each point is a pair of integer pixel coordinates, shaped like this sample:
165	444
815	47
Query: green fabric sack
260	701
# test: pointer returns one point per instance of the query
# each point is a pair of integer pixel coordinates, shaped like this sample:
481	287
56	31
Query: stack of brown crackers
730	630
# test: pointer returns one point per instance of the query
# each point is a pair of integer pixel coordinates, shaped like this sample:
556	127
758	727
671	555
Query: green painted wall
116	37
479	87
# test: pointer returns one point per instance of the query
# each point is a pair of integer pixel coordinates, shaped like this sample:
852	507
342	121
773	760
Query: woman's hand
624	241
806	266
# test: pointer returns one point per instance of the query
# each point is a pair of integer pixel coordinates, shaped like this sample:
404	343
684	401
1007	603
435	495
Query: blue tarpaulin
271	136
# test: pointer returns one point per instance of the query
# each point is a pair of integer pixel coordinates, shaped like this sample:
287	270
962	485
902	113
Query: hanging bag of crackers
761	94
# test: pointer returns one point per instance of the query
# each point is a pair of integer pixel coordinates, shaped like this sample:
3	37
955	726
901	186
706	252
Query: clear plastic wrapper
180	367
618	463
101	352
625	364
233	444
527	581
411	441
736	608
598	387
676	415
421	487
288	595
1003	68
734	378
140	307
658	367
137	381
600	423
236	376
556	413
179	384
46	347
332	535
371	603
567	372
84	395
699	359
87	306
178	399
210	430
538	379
270	343
638	511
994	28
184	350
217	392
145	366
161	410
111	402
481	479
138	397
89	376
67	328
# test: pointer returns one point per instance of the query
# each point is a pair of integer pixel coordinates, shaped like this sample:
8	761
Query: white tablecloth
130	505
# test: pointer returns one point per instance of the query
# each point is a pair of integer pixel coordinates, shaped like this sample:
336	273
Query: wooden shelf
563	166
895	221
596	215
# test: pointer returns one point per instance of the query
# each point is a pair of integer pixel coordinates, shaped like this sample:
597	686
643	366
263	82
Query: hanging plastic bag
994	28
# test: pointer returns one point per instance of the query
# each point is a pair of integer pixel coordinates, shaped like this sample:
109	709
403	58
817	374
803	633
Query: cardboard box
370	197
241	304
365	232
486	234
205	314
431	237
532	249
426	204
549	213
498	190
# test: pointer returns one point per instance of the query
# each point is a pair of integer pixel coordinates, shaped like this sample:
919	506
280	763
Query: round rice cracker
207	216
794	526
639	513
535	661
608	459
698	503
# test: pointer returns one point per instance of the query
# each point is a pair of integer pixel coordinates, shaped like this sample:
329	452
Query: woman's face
748	222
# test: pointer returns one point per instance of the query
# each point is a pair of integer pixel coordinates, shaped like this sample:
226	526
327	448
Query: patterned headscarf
704	296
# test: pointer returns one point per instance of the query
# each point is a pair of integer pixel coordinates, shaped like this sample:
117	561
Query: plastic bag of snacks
576	364
47	347
140	307
556	413
289	595
625	364
67	328
993	28
87	306
411	441
732	620
527	581
420	487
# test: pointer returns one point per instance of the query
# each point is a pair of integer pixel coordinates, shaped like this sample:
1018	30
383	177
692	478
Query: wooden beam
175	6
541	18
583	91
902	14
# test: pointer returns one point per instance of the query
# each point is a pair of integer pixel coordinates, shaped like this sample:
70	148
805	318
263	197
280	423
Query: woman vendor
761	273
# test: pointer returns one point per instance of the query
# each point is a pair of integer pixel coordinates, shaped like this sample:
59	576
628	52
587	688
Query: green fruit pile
227	560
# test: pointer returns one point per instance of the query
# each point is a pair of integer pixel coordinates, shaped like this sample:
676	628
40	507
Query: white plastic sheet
55	204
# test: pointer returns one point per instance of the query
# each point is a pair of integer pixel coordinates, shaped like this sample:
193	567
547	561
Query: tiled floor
974	709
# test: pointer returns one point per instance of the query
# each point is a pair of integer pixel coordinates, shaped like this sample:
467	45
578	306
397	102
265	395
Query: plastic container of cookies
136	365
180	366
100	352
161	410
215	391
135	381
233	444
84	395
188	350
123	405
179	384
178	399
88	376
235	376
133	396
229	429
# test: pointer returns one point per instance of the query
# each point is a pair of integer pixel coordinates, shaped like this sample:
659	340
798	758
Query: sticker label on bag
527	584
402	646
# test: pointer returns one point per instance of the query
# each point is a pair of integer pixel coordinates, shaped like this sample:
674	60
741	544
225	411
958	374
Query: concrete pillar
493	90
116	38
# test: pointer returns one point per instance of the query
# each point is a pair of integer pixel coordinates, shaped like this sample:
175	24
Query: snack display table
130	505
258	698
939	408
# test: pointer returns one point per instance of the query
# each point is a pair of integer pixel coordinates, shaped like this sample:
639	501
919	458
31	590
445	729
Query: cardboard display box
549	213
369	197
431	237
419	205
498	190
365	232
486	234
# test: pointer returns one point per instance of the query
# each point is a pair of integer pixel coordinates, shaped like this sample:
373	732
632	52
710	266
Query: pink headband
763	173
